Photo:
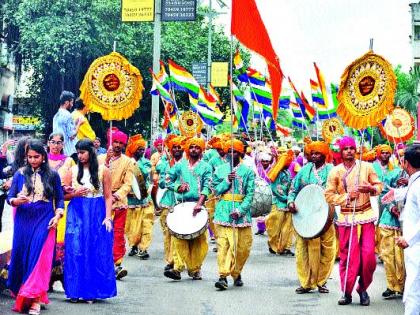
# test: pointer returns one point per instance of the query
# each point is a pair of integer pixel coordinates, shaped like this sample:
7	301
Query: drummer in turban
121	167
314	257
190	179
232	216
140	216
349	186
389	226
175	146
279	220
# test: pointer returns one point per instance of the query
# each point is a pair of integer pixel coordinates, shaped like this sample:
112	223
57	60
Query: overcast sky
333	33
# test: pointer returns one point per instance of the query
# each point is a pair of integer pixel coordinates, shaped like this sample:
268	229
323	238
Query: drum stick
353	217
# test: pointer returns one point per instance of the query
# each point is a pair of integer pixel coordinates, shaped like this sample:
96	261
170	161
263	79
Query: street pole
154	121
209	49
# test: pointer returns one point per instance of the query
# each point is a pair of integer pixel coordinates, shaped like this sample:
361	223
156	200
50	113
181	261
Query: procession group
77	209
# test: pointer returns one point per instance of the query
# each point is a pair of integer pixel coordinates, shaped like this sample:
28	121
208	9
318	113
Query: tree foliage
59	39
407	95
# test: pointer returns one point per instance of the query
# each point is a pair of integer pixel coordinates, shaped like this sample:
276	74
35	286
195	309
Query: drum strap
233	197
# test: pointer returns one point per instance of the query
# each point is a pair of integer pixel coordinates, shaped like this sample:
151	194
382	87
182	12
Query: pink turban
347	141
157	142
117	135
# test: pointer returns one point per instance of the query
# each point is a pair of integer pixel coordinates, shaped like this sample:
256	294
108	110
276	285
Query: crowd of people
78	207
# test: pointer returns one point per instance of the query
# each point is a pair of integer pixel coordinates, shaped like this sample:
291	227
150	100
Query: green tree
407	95
59	39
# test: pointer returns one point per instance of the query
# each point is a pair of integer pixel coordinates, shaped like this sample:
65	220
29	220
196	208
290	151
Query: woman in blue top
37	195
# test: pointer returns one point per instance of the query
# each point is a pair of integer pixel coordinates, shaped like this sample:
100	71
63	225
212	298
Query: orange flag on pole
248	27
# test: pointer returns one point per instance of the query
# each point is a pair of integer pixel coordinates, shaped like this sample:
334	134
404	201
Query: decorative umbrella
190	124
112	87
332	128
399	126
366	94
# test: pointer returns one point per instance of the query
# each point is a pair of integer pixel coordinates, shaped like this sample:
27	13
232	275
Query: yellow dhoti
393	258
190	252
167	238
279	229
139	226
227	263
315	258
378	238
210	206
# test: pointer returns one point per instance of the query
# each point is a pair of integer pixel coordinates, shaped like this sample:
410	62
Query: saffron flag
182	80
248	27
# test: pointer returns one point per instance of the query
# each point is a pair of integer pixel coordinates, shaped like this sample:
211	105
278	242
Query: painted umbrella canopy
367	89
112	87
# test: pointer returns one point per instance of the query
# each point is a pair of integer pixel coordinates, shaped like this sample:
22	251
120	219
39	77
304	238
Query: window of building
416	32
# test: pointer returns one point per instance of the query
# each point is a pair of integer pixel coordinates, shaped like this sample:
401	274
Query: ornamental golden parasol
112	87
367	89
332	128
399	126
190	124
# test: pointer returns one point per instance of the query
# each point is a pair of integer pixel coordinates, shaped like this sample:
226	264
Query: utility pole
154	120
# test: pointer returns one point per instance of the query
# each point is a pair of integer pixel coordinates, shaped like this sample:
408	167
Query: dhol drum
261	204
183	225
313	215
135	187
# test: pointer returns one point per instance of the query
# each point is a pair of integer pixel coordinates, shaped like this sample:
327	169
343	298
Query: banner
137	10
199	72
219	74
179	10
26	122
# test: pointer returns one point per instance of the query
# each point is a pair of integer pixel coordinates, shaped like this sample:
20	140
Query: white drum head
181	220
135	187
312	213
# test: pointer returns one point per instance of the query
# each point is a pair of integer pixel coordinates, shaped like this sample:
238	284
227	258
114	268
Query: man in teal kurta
168	199
279	221
314	257
389	224
190	179
232	217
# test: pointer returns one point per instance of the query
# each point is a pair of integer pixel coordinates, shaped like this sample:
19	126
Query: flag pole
231	148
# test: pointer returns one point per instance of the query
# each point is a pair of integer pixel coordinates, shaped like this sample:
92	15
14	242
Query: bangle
109	219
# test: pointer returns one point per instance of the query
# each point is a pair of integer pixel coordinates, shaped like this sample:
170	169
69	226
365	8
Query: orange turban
321	147
175	141
381	148
215	143
194	141
283	161
134	143
238	145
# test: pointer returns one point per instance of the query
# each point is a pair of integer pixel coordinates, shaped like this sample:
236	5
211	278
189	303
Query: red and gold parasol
332	128
112	87
399	126
367	89
190	124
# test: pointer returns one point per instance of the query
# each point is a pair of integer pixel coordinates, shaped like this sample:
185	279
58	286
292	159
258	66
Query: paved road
269	280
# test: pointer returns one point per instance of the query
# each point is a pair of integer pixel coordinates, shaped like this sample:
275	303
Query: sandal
35	309
323	289
302	290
